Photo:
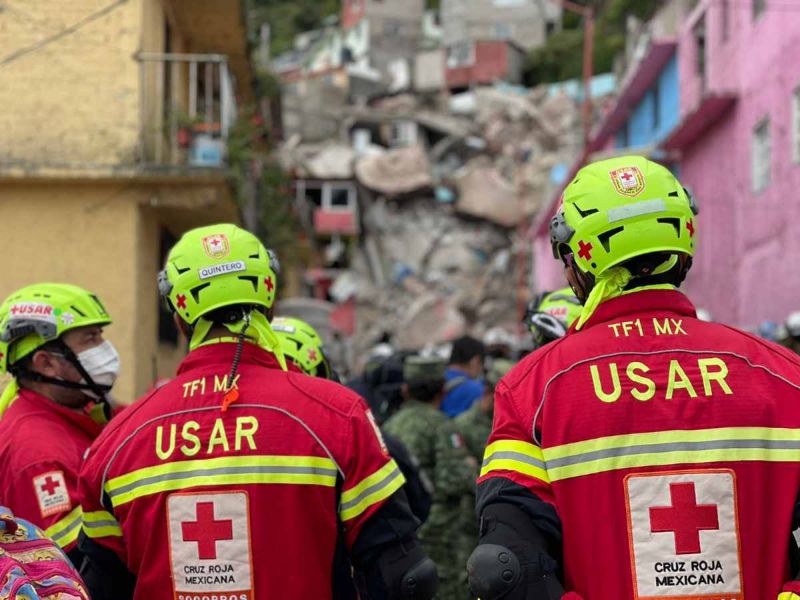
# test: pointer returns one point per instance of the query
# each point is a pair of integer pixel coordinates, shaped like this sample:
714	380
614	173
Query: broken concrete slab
395	172
430	319
332	162
484	193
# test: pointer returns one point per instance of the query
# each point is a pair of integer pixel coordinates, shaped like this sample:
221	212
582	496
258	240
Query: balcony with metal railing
188	107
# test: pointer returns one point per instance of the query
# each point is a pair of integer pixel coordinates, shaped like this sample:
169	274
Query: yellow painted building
113	120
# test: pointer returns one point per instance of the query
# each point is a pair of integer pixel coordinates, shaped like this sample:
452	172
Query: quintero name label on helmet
33	310
237	266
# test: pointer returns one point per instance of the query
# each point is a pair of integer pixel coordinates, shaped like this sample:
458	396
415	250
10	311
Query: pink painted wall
746	269
548	272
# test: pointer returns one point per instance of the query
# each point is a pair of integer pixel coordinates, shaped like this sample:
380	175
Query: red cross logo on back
50	486
685	518
626	176
207	531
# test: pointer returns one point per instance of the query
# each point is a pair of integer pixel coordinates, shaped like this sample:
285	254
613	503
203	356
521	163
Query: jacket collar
637	302
28	401
223	354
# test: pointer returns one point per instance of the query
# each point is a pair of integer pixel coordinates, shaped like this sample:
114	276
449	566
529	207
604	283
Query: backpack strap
454	383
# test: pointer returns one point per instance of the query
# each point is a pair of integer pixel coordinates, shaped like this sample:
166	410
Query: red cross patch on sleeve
378	434
51	492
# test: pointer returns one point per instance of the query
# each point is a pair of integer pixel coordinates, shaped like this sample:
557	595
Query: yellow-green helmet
301	343
41	313
562	304
551	314
617	209
217	266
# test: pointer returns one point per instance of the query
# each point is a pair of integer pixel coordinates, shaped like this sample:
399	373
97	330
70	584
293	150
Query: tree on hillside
562	55
287	18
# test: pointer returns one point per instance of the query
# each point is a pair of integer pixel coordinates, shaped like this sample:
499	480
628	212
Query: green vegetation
562	56
287	18
249	145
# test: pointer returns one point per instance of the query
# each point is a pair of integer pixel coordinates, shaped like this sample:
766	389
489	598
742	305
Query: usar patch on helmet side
628	181
33	310
236	266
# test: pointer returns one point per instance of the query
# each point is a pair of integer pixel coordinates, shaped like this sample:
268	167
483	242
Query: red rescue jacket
664	450
242	504
41	450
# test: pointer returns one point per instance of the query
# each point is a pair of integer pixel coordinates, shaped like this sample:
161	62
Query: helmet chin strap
88	383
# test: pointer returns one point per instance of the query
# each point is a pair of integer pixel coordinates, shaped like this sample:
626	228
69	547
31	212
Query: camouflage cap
499	368
422	369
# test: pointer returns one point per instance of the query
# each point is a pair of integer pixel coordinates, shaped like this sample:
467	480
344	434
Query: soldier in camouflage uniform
432	438
476	424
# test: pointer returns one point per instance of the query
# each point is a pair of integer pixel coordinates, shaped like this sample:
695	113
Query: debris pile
444	194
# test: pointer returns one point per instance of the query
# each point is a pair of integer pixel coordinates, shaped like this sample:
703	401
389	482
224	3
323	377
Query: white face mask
102	365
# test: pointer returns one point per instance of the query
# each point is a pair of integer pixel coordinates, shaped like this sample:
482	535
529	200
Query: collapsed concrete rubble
441	201
395	172
446	275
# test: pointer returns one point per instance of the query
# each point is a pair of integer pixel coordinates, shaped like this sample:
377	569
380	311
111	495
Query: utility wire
769	6
17	54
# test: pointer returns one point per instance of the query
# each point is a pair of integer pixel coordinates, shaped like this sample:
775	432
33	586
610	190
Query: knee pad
494	571
420	581
400	572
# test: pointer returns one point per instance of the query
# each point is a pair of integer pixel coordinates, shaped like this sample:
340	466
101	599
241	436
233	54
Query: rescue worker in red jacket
52	345
234	480
646	454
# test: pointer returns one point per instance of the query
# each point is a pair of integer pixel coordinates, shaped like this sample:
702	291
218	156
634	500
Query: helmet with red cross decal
217	266
41	313
620	209
302	345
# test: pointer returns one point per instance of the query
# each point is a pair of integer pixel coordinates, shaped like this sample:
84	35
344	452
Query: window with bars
460	55
761	155
796	125
502	31
700	48
725	10
656	100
